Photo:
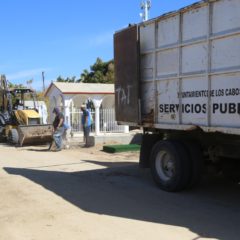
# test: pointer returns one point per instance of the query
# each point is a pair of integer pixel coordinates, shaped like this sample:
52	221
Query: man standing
86	123
58	126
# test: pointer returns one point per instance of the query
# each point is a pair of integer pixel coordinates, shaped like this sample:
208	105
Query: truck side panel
190	68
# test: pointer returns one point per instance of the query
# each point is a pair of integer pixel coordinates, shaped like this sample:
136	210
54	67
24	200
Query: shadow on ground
211	211
39	150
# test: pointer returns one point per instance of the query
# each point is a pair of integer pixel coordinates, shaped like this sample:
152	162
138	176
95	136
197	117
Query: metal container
181	70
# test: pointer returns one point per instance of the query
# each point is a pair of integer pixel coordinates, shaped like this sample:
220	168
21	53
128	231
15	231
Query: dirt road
91	195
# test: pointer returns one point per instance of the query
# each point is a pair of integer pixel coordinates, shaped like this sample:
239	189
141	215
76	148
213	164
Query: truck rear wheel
13	136
170	166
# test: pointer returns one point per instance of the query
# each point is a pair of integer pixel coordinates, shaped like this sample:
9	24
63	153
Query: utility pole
43	81
145	6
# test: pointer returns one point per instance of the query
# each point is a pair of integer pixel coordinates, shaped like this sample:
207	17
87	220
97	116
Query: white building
70	96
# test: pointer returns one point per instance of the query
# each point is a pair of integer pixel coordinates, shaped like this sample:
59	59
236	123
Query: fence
107	121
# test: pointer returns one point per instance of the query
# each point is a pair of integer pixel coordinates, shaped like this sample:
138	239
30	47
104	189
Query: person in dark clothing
58	126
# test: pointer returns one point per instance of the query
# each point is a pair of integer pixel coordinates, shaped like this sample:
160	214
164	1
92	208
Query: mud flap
148	141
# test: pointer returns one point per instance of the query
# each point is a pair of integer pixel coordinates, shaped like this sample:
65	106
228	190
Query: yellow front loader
19	124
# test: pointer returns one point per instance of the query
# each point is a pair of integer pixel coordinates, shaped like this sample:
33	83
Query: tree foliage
12	85
68	79
100	72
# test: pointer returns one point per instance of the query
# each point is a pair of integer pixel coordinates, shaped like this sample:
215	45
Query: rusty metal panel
126	60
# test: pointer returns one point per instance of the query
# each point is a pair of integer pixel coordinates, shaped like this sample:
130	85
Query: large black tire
13	136
170	166
196	162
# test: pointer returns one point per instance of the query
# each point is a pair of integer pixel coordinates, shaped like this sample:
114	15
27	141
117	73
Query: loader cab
18	105
22	112
20	96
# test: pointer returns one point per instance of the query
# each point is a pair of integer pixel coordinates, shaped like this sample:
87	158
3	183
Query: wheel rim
165	165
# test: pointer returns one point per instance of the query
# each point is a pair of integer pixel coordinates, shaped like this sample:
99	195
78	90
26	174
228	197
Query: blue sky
64	37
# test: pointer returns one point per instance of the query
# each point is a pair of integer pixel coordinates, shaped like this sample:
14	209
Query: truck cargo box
181	70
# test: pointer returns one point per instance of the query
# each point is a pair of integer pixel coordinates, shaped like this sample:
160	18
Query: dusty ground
91	195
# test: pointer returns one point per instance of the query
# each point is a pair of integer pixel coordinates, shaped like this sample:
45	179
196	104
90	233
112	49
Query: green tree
12	85
68	79
84	76
110	72
60	79
101	72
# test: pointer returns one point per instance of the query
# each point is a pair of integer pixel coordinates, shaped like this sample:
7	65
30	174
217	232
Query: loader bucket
34	134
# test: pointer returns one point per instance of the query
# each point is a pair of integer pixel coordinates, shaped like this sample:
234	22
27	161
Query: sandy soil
92	195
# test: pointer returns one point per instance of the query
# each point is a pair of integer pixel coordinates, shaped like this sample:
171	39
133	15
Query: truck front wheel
170	166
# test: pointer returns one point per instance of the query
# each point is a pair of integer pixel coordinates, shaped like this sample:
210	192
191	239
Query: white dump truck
178	77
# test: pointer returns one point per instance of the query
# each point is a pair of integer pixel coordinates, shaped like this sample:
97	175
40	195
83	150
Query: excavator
20	124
